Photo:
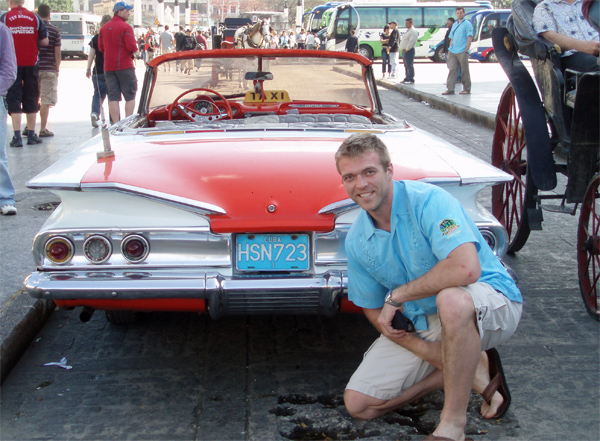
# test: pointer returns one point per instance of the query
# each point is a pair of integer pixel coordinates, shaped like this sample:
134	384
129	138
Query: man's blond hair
359	144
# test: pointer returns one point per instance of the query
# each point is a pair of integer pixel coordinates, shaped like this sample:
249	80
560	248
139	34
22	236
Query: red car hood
245	176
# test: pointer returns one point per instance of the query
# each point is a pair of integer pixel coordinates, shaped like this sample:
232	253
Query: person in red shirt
118	44
28	30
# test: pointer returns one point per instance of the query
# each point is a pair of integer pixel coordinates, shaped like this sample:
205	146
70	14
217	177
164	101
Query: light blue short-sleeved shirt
459	34
427	224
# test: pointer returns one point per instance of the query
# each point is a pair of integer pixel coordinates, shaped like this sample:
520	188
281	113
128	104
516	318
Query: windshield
68	27
311	79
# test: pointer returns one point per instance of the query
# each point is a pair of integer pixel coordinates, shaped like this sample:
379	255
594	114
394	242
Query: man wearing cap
117	42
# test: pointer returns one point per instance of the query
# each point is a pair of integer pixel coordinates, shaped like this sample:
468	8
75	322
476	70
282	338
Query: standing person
201	44
310	40
301	39
407	46
8	74
352	42
150	45
49	66
189	44
117	41
179	38
414	250
461	36
450	23
393	44
384	37
284	42
97	75
29	32
166	44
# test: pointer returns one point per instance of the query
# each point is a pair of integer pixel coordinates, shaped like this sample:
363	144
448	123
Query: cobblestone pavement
185	377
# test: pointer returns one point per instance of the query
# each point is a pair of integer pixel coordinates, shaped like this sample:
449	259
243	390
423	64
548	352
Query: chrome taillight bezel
145	244
51	241
104	240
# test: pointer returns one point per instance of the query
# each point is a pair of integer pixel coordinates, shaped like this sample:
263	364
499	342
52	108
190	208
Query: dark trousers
385	61
409	65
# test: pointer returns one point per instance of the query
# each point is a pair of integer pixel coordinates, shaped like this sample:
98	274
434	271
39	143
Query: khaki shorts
48	88
388	369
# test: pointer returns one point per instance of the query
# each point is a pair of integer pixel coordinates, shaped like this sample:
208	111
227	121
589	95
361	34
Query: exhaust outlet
86	314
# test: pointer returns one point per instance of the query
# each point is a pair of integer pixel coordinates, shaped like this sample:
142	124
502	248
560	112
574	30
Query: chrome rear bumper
318	294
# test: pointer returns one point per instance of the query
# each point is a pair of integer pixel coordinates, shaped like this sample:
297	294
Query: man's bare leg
31	117
366	407
129	107
44	112
113	108
461	353
16	122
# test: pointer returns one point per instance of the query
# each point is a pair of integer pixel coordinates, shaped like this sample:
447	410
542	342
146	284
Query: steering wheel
175	108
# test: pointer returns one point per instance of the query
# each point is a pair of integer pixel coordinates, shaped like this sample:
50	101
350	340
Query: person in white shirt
310	41
166	44
407	46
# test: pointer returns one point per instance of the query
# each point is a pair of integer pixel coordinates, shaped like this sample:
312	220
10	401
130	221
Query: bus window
436	17
372	18
400	15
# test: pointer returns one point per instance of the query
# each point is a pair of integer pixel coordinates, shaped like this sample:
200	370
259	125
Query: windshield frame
152	67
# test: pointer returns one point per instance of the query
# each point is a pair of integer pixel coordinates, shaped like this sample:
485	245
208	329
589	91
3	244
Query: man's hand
385	322
590	47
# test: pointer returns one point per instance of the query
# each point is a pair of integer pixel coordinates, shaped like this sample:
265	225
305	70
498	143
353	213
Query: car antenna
107	152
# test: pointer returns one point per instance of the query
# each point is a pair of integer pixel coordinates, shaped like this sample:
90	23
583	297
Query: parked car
221	194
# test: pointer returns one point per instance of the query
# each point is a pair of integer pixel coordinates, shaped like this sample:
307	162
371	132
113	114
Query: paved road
181	376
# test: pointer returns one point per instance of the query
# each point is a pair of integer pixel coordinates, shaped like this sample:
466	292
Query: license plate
272	252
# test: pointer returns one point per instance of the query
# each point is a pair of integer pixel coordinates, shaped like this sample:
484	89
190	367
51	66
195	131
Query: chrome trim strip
339	207
201	207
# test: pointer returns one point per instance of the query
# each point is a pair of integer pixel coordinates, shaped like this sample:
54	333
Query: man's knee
455	305
357	405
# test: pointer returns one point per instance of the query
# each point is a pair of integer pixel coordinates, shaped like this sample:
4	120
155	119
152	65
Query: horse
255	36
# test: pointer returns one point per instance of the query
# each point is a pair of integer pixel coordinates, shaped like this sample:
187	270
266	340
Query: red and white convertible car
222	194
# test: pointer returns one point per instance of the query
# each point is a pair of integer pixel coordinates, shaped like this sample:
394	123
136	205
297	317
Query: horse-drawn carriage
238	33
538	138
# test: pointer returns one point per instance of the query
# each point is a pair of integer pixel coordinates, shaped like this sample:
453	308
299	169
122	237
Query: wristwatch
392	302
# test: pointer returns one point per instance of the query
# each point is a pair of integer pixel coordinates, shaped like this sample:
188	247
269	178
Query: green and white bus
369	17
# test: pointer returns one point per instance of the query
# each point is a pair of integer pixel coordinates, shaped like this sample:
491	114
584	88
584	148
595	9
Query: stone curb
476	116
28	316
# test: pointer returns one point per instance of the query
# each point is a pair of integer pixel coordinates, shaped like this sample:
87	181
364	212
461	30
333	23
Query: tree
56	5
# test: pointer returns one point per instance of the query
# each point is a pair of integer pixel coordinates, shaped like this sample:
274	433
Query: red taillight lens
135	248
59	249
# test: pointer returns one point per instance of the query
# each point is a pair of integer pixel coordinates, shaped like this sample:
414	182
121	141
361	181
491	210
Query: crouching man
414	249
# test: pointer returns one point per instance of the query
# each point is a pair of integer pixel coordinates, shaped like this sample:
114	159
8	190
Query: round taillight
135	248
97	249
59	250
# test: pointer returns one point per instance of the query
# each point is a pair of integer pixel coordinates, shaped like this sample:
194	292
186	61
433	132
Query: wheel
588	248
175	108
439	56
366	51
491	58
120	317
511	200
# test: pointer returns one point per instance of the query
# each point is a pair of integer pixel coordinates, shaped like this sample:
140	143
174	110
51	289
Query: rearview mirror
258	76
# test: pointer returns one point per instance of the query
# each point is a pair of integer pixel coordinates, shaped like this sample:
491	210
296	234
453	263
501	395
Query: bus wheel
366	51
439	56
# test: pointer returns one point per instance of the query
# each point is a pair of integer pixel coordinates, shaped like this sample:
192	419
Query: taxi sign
271	96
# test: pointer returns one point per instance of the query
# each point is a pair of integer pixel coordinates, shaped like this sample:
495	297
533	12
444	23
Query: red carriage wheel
511	200
588	248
